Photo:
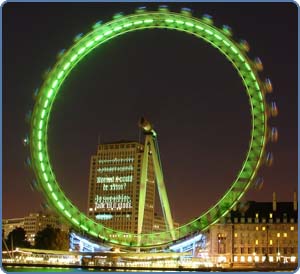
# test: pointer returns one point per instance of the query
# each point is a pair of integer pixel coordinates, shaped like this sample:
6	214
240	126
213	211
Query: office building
114	186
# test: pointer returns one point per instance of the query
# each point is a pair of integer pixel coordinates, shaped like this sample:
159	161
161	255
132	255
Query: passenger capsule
60	53
34	185
28	116
258	64
97	24
208	19
163	8
140	9
273	135
78	37
26	140
269	159
35	93
45	206
258	184
245	45
186	11
28	162
268	85
227	30
118	15
273	109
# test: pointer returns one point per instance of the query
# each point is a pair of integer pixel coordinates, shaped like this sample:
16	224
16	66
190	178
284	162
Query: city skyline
189	121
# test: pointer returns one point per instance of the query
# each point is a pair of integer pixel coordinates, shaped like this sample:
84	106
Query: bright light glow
241	58
94	233
73	57
179	22
46	103
49	186
235	259
81	50
60	205
84	227
43	167
39	145
60	74
242	259
292	228
108	32
249	259
169	21
55	84
127	25
256	259
271	242
226	43
50	92
138	22
41	124
90	43
75	221
54	196
68	213
208	31
247	66
199	27
271	259
278	235
218	37
148	21
43	113
189	24
117	28
45	176
39	134
293	259
66	66
234	50
252	75
97	38
41	156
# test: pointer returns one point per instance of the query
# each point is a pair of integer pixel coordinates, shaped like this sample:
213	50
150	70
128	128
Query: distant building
258	232
33	223
160	224
114	186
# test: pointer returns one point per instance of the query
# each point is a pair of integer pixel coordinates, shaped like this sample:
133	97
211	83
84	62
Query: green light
54	83
39	134
208	31
260	96
54	196
50	92
84	227
257	86
234	50
45	176
189	24
127	25
218	37
41	124
60	205
97	38
43	113
241	58
252	75
199	27
46	103
94	233
81	50
75	221
41	156
108	32
73	57
60	74
138	22
247	66
226	43
148	21
68	213
40	145
90	43
66	66
49	186
118	28
169	21
179	22
43	167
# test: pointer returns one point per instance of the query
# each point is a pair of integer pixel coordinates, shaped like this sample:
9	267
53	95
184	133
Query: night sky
186	88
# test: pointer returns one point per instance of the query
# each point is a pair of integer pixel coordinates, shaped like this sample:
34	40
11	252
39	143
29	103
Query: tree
17	238
52	238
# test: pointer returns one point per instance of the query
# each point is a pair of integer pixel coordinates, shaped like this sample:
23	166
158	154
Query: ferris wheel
142	19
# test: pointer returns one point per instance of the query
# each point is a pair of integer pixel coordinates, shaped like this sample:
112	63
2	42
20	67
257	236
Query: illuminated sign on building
119	201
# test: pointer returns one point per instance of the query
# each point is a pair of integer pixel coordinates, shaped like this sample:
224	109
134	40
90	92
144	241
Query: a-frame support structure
151	150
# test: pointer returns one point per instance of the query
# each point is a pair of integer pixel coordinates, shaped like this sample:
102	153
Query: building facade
257	233
114	186
33	223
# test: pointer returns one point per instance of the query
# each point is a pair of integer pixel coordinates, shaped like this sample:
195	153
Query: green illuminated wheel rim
201	28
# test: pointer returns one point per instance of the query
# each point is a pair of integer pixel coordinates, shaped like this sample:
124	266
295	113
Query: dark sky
188	90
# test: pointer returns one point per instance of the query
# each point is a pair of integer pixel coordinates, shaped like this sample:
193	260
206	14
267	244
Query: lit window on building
263	228
271	242
256	215
235	235
256	242
256	228
285	235
242	259
292	228
278	235
271	215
